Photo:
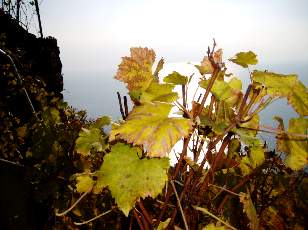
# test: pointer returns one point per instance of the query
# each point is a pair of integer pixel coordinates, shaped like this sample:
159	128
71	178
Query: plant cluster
230	181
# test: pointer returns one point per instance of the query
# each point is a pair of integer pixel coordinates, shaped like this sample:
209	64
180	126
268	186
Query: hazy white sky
96	33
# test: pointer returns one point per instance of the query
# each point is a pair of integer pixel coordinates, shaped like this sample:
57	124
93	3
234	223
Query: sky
94	34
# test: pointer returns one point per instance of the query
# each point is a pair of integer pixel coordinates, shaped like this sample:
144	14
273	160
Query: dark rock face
39	64
35	57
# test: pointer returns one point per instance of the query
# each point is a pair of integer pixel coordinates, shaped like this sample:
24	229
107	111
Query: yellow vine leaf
158	92
229	92
90	139
84	183
296	148
212	226
279	85
150	126
255	159
136	70
250	210
176	78
244	59
130	178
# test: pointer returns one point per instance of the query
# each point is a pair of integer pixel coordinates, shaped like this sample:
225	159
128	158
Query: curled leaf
244	59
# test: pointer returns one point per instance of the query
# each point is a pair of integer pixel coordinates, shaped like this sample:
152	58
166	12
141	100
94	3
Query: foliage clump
224	176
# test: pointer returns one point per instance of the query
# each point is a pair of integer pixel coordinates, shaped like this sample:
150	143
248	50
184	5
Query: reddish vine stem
145	212
251	102
176	171
218	158
236	187
137	217
121	106
207	91
125	106
240	111
184	96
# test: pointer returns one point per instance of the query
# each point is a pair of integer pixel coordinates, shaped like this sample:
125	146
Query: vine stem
213	216
138	219
145	212
74	205
92	219
180	206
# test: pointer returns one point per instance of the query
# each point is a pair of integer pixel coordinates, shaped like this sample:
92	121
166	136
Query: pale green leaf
84	183
295	147
163	225
285	86
150	126
256	158
136	70
159	67
101	122
250	210
130	178
245	58
176	78
212	226
158	92
89	139
229	92
299	99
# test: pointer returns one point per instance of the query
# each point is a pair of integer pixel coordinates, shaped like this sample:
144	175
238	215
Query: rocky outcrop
36	58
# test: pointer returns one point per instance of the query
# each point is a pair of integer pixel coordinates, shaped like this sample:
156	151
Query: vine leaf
176	78
130	178
256	158
212	226
84	183
89	139
158	92
101	122
279	85
163	225
136	70
150	126
296	148
159	67
244	59
250	210
205	67
225	91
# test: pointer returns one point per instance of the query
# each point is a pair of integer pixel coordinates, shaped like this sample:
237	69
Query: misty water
95	92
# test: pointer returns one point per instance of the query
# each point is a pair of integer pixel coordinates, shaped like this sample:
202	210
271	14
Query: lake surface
95	92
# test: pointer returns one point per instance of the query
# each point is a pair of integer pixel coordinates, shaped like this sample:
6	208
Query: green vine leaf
159	67
249	163
84	183
130	178
158	92
229	92
150	126
176	78
279	85
101	122
136	70
89	139
250	210
244	59
296	148
212	226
